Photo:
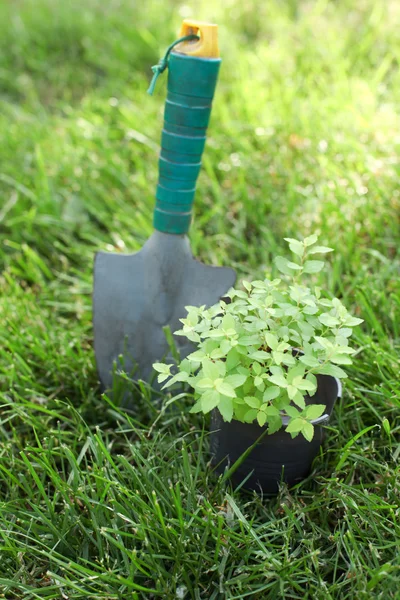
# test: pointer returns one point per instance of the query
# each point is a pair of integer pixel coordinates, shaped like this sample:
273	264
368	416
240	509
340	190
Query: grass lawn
304	137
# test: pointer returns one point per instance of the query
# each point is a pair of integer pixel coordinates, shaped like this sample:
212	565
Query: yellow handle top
206	46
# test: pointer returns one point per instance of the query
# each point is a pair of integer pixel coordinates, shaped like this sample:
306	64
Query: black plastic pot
277	457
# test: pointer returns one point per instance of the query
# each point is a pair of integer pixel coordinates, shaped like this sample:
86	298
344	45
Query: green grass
96	503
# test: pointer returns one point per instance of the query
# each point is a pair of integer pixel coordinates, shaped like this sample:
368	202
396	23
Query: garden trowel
136	295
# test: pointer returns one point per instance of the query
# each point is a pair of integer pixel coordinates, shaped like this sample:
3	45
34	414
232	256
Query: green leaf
271	411
258	284
217	353
352	321
340	359
261	418
209	345
162	377
282	265
274	424
210	369
242	370
239	401
256	368
344	349
225	389
246	285
278	357
278	380
326	302
310	360
258	382
228	322
271	340
289	360
252	401
169	383
260	355
313	266
314	411
240	411
225	407
196	356
295	373
178	377
235	380
197	407
249	340
226	345
333	370
311	377
294	266
345	332
308	431
275	370
215	333
291	411
221	367
328	320
162	368
190	335
324	342
298	399
209	400
232	359
295	425
250	415
320	250
185	366
295	246
231	333
309	241
237	293
291	391
305	328
271	393
204	383
303	384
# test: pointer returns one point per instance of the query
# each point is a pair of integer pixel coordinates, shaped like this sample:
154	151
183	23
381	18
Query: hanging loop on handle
163	62
207	44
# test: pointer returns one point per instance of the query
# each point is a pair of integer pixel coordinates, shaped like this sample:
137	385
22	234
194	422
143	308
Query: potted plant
267	364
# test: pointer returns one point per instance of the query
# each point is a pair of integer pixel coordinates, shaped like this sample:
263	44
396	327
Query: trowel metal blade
136	295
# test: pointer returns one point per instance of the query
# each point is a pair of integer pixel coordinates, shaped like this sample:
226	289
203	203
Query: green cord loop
163	62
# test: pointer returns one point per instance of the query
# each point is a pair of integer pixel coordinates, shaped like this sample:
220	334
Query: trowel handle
191	84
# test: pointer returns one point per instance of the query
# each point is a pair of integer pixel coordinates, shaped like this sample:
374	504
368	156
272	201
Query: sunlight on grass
97	503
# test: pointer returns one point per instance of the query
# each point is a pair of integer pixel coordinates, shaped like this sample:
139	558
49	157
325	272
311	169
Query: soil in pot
277	457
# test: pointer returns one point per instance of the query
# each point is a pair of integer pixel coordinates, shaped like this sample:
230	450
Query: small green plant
257	356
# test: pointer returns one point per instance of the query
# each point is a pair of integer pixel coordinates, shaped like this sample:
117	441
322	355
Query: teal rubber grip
191	86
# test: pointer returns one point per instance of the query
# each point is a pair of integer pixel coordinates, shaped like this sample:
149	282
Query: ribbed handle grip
191	85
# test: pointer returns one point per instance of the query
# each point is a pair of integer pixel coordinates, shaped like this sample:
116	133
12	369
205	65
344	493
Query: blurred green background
304	137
